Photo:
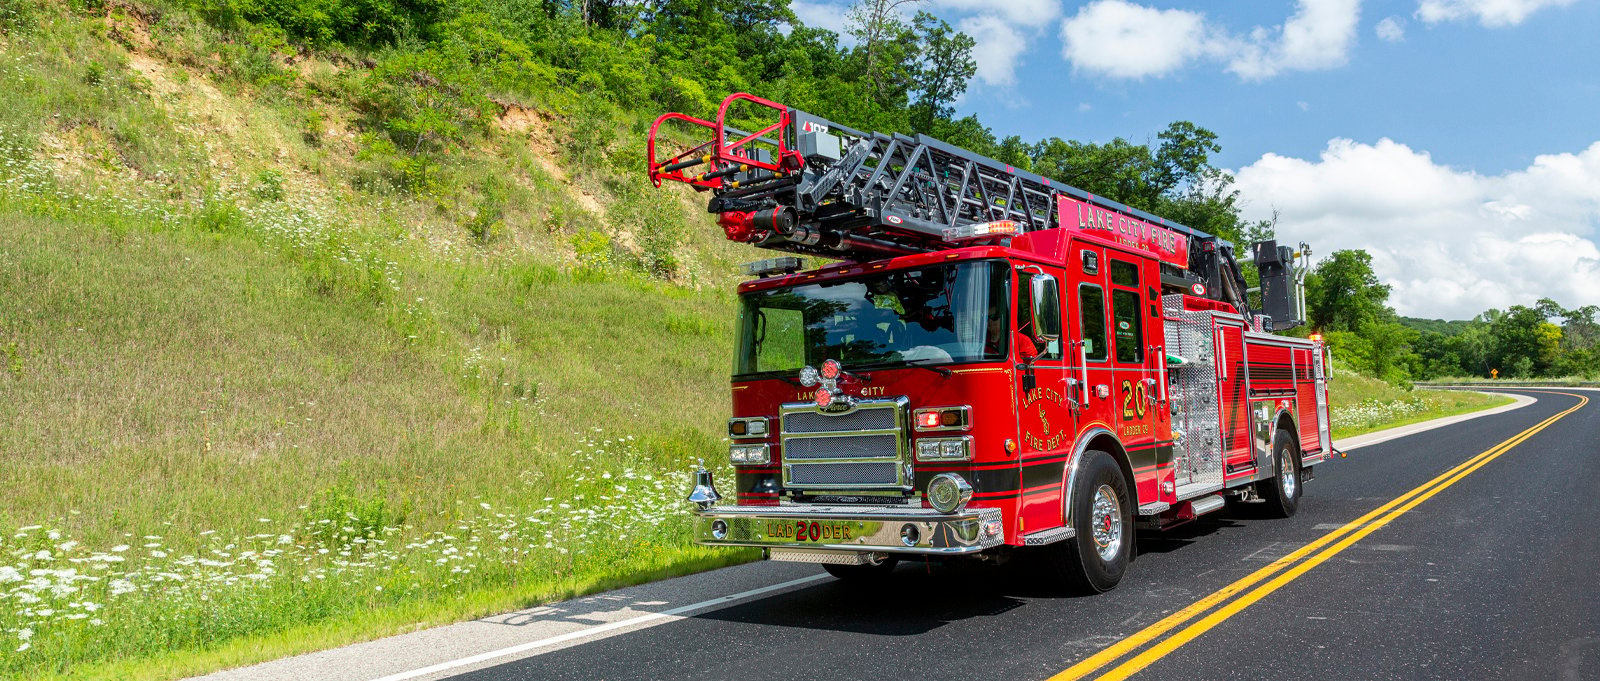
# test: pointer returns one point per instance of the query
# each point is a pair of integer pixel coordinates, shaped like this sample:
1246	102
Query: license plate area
815	531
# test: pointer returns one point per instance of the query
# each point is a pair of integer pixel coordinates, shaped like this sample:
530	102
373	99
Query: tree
1525	341
942	73
883	37
1343	293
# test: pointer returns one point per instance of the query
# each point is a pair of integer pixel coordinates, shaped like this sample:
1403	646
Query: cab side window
1031	309
1092	320
1127	323
1130	333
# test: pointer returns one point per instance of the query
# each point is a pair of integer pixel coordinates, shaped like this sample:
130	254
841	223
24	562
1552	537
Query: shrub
489	219
340	515
268	185
593	249
17	16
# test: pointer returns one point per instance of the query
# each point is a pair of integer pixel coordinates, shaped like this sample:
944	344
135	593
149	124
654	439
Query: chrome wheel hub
1288	477
1105	519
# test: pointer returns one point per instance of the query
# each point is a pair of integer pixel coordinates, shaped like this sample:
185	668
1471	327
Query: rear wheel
865	572
1096	558
1282	492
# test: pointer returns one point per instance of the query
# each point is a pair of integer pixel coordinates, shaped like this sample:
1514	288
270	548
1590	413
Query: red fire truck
994	361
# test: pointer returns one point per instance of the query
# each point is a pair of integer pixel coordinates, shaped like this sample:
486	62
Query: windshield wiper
921	364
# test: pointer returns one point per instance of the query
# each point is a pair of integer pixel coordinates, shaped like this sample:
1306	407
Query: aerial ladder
799	183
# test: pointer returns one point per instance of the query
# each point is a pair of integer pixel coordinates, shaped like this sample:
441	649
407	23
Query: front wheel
1097	557
1282	492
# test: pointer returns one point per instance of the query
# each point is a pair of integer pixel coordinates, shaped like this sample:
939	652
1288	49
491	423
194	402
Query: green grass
1362	404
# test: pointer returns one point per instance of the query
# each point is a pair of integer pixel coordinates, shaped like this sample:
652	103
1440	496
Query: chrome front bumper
878	529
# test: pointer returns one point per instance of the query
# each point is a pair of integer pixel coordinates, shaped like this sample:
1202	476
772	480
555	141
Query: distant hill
1448	327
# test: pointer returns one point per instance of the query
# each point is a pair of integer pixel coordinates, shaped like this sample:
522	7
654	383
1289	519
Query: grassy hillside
269	387
247	370
1361	404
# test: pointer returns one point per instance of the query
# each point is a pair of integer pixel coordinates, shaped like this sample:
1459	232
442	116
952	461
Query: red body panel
1026	439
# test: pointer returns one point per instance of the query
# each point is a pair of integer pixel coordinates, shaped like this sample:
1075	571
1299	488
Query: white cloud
1392	29
1451	242
1490	13
1121	39
998	50
1003	32
1318	36
1124	40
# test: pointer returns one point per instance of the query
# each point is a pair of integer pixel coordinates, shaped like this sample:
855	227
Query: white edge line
596	630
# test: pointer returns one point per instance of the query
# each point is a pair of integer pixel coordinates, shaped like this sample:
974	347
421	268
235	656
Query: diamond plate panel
1196	417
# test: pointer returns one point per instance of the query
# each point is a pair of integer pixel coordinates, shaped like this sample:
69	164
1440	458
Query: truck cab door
1044	418
1135	384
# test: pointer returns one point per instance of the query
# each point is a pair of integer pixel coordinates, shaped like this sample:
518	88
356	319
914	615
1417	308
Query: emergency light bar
981	230
771	266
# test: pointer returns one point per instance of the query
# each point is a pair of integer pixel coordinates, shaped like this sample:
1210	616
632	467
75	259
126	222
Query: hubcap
1287	476
1106	521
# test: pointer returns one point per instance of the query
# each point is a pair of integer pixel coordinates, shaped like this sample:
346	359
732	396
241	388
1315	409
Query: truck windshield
934	315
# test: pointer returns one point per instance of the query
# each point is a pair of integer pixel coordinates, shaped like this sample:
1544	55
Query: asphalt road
1491	576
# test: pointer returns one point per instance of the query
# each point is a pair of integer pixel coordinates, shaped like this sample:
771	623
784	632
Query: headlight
948	493
749	454
944	448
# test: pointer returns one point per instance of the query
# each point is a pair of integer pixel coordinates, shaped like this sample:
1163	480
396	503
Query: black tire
1079	563
1282	492
864	573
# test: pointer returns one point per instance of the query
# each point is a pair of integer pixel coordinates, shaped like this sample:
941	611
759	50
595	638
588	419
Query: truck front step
824	557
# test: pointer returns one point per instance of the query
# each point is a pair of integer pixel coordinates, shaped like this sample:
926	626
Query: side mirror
1046	308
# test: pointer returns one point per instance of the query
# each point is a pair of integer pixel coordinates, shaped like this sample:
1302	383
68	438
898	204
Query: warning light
928	419
1316	337
830	369
824	397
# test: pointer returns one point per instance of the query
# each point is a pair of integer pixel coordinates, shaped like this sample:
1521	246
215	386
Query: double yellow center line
1335	541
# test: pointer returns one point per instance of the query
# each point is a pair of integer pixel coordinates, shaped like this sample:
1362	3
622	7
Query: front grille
876	474
840	447
864	449
860	419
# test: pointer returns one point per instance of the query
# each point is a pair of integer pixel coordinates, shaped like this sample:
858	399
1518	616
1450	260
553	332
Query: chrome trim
901	456
1106	522
1205	505
1293	411
1262	428
824	557
963	492
874	529
1049	536
1154	508
966	419
1072	470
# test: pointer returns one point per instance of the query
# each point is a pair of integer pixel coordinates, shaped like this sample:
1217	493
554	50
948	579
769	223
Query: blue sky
1456	140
